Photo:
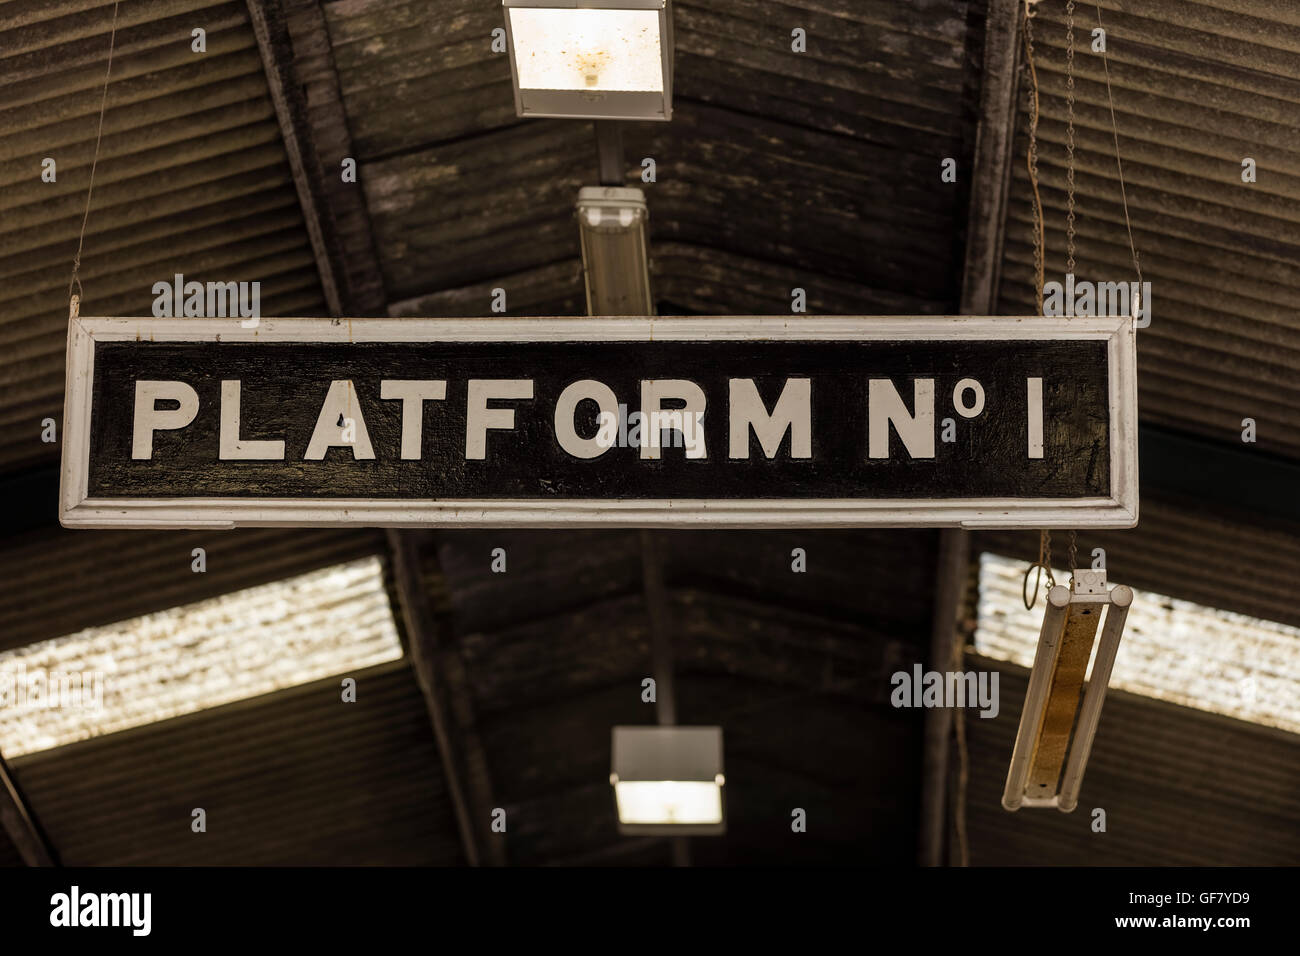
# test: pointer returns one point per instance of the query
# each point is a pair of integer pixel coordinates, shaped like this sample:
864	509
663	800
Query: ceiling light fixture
668	780
1040	775
591	59
612	229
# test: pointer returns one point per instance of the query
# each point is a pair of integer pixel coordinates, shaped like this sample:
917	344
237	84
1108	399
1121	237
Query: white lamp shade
597	50
603	59
668	780
668	801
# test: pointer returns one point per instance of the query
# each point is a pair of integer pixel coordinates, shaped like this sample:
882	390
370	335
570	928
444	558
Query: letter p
149	417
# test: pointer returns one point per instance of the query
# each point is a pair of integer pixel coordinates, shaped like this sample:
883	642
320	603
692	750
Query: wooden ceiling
817	170
780	169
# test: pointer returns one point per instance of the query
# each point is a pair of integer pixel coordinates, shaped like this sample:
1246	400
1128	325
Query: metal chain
1032	158
1069	137
1043	564
1069	190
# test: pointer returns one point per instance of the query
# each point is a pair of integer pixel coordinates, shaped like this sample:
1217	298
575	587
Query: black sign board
709	422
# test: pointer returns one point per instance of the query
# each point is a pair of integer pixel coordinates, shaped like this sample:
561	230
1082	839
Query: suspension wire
1119	166
1069	137
1069	176
81	239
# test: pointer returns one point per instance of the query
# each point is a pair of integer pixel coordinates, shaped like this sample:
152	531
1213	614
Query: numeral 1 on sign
1035	418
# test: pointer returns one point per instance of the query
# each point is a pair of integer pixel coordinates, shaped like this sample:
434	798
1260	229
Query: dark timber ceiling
779	169
818	170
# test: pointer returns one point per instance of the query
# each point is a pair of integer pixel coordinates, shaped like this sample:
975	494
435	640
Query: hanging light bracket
1052	746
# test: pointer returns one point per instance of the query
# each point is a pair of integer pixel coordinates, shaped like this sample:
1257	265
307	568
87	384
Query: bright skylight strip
1174	650
104	679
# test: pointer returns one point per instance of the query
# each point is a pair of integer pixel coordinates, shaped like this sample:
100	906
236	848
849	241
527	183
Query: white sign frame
1119	510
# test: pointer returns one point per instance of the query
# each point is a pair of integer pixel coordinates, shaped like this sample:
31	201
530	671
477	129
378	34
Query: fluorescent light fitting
615	265
1056	731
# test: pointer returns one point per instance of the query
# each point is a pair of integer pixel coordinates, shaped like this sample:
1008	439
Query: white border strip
1120	510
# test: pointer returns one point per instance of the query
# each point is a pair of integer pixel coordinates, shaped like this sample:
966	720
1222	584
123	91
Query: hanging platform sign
632	422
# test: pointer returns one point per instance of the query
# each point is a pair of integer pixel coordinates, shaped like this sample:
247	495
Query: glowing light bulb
589	63
592	50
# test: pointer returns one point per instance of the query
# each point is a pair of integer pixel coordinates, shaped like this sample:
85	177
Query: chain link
1032	159
1069	190
1043	564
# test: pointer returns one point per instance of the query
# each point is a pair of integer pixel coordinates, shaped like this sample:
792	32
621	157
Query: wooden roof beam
440	673
991	169
299	64
21	824
985	228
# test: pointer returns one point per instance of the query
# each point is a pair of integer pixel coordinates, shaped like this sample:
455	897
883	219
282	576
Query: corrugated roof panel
1197	88
9	855
457	213
58	581
794	666
203	654
1183	549
293	778
1180	788
192	178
